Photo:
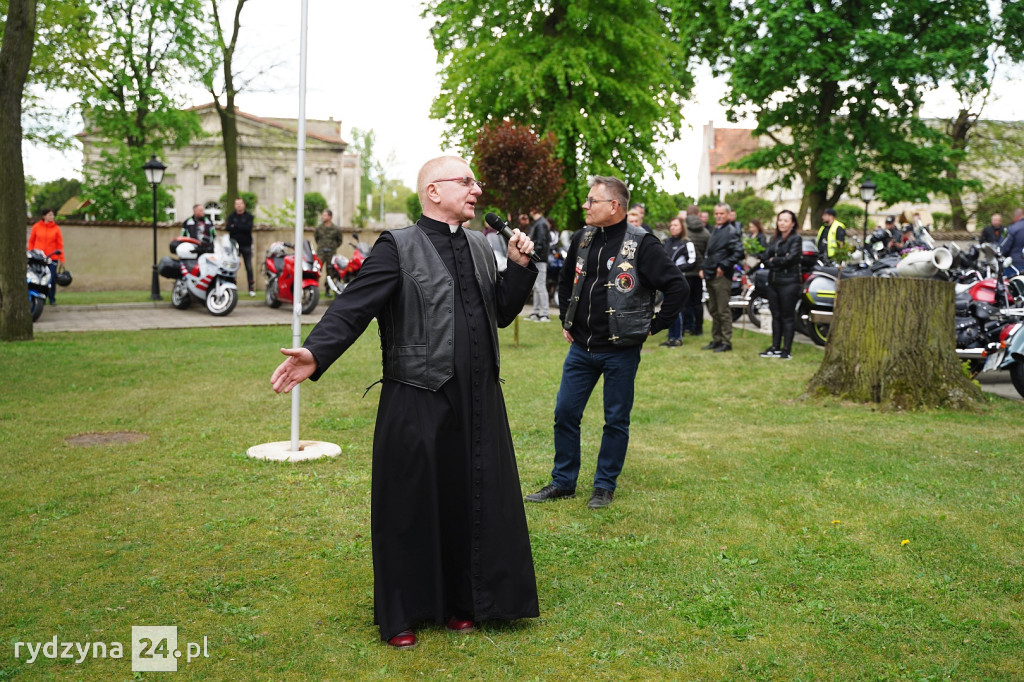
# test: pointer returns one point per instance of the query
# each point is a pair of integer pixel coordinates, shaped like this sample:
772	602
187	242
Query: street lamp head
867	190
154	170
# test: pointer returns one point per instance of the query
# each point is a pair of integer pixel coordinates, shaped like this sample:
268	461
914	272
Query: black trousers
693	311
246	253
782	299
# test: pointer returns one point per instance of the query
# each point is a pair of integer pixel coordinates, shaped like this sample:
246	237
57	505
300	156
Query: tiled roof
731	144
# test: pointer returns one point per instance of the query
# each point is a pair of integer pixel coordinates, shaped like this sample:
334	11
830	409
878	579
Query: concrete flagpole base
281	451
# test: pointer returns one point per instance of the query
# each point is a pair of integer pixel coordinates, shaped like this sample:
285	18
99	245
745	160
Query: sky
373	65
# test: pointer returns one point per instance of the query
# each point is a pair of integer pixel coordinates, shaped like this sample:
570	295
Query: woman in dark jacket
782	258
681	252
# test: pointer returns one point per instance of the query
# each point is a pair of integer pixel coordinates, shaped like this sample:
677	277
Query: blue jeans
579	376
52	294
675	330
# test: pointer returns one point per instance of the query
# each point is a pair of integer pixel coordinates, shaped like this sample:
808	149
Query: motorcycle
279	270
202	275
342	270
818	298
39	279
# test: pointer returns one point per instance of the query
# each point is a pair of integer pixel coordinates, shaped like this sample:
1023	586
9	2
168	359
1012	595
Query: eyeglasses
591	201
465	182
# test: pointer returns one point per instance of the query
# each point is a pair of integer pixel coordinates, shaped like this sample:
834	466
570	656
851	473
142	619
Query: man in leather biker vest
606	299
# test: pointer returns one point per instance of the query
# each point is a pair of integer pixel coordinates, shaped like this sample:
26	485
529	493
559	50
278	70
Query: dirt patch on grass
105	438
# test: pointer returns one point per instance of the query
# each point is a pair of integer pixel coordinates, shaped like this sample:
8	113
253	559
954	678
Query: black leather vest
630	304
417	327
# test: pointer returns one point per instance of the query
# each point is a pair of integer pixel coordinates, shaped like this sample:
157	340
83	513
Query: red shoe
403	640
459	625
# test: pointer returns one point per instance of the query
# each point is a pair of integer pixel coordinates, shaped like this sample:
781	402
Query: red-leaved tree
519	167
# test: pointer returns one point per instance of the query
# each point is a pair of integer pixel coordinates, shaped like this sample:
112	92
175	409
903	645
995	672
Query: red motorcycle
279	270
343	270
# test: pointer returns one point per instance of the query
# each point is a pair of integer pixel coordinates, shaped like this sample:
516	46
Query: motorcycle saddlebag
168	267
968	333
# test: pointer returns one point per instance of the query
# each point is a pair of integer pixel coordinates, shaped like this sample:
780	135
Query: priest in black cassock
450	543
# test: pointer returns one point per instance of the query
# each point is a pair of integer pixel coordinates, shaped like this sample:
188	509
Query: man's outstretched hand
299	366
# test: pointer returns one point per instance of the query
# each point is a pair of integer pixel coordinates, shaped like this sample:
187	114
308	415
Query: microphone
506	232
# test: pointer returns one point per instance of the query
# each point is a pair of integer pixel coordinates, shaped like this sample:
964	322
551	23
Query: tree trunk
958	129
892	342
15	57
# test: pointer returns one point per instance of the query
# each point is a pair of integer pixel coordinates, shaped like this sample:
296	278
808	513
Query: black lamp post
154	175
867	193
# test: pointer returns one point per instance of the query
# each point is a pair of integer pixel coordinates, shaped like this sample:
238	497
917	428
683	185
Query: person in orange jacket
46	237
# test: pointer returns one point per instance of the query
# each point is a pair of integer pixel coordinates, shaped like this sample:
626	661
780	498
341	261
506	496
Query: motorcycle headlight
33	277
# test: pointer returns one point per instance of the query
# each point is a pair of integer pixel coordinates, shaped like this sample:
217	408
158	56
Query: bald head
435	169
1018	214
447	190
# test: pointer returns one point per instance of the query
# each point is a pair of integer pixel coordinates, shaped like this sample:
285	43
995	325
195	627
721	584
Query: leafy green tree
313	205
995	45
755	208
608	79
412	207
849	215
518	167
129	74
836	86
220	80
396	196
995	157
15	60
661	206
250	199
54	194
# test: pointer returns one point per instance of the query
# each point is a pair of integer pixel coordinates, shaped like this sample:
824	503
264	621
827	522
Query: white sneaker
252	293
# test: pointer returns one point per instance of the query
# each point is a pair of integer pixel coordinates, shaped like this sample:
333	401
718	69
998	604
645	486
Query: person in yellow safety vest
830	234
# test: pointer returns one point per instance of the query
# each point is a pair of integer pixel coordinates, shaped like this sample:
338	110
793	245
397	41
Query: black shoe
711	346
675	343
600	499
666	343
549	492
772	352
783	355
723	347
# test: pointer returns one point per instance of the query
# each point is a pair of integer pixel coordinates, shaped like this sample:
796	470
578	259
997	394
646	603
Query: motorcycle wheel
310	297
754	308
736	313
37	304
818	332
179	295
1017	376
272	300
223	303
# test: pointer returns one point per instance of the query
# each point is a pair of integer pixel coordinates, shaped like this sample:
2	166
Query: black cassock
446	512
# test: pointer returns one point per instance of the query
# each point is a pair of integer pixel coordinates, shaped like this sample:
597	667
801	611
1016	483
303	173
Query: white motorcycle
202	275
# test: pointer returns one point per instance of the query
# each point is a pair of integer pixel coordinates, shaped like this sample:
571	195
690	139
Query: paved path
161	315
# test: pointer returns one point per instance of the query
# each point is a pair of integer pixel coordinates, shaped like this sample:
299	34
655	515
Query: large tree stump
892	342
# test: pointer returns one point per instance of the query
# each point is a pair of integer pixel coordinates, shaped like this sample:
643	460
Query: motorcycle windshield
225	247
307	256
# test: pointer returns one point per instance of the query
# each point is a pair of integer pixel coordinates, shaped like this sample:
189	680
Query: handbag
63	275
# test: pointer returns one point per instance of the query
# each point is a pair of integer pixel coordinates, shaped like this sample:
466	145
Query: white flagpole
308	449
300	190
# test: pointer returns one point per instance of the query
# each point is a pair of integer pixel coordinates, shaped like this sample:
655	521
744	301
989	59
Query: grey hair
725	206
616	188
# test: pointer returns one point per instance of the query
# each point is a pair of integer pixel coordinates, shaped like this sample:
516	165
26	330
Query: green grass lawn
755	534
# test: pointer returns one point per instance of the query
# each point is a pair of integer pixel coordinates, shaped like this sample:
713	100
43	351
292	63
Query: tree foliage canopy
519	168
128	68
837	87
608	79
